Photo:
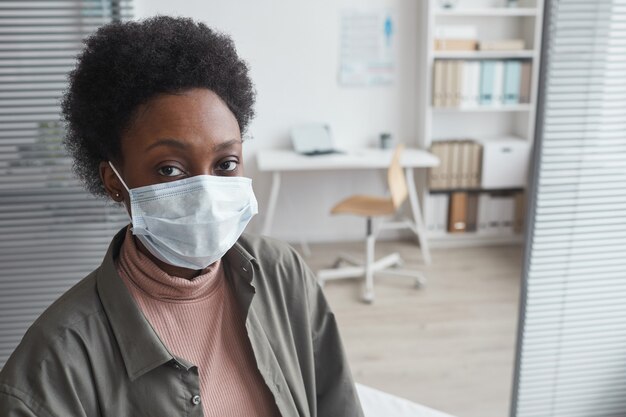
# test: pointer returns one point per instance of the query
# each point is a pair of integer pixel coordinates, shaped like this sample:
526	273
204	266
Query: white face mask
194	221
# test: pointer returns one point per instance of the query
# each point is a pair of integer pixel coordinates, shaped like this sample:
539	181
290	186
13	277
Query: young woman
186	316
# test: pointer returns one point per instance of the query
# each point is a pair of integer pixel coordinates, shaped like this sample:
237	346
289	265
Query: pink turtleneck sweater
199	320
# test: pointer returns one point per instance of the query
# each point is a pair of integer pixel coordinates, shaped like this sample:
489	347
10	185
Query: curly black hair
124	64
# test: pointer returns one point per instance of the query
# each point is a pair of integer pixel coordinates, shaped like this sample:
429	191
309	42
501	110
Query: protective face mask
194	221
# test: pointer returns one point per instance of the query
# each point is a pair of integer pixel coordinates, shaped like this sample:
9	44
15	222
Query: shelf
483	54
489	12
483	109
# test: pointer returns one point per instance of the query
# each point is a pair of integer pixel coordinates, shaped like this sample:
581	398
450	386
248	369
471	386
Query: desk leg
271	210
271	206
420	230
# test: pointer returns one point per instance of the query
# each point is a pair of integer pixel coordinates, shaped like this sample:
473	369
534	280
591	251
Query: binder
465	163
484	200
447	87
445	165
466	90
459	83
512	72
455	164
435	173
472	212
525	79
520	208
429	213
437	85
475	83
487	69
452	84
442	213
493	214
457	219
498	83
507	214
477	163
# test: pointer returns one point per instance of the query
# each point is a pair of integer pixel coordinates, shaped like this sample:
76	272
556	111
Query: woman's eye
170	171
228	165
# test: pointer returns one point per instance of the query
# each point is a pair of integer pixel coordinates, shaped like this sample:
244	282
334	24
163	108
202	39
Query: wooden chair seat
373	206
365	205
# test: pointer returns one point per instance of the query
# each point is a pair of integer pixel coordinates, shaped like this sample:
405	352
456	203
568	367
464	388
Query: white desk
278	161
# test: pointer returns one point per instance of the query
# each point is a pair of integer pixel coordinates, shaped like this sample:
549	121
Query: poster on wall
367	47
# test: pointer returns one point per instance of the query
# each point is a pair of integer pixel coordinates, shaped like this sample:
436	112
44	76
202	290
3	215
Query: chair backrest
395	177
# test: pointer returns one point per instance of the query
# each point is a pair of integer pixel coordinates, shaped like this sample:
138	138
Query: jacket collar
140	346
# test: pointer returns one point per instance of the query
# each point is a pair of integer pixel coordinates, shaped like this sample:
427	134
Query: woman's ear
112	183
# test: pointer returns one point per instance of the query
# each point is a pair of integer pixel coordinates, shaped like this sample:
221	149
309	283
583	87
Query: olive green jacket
92	353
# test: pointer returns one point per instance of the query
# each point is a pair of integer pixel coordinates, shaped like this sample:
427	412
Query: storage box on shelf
480	61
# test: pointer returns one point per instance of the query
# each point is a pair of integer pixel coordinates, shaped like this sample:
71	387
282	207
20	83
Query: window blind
52	232
571	358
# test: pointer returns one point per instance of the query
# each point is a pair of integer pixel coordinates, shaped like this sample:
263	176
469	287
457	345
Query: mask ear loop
119	177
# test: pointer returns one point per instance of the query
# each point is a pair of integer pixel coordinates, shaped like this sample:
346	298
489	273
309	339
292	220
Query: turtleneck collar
158	284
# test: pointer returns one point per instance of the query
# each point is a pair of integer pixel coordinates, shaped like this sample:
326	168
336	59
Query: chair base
357	269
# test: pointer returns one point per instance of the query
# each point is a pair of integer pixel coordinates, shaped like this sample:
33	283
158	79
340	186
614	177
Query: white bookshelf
494	21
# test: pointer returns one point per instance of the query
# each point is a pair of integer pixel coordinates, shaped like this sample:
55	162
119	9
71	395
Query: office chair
369	207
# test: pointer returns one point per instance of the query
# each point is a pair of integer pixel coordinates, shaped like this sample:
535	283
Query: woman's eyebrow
226	145
168	142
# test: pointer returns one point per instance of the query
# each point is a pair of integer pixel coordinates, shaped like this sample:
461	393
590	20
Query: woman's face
175	136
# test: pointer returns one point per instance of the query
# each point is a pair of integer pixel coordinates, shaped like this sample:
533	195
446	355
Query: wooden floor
449	345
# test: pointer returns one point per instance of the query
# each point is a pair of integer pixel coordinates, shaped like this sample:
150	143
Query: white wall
292	47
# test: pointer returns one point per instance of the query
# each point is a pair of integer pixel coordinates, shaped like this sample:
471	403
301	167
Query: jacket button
195	400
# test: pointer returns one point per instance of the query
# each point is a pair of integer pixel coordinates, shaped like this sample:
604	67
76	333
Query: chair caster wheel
420	282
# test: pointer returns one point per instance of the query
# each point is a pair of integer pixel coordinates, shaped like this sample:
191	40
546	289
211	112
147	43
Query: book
501	45
457	218
512	73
